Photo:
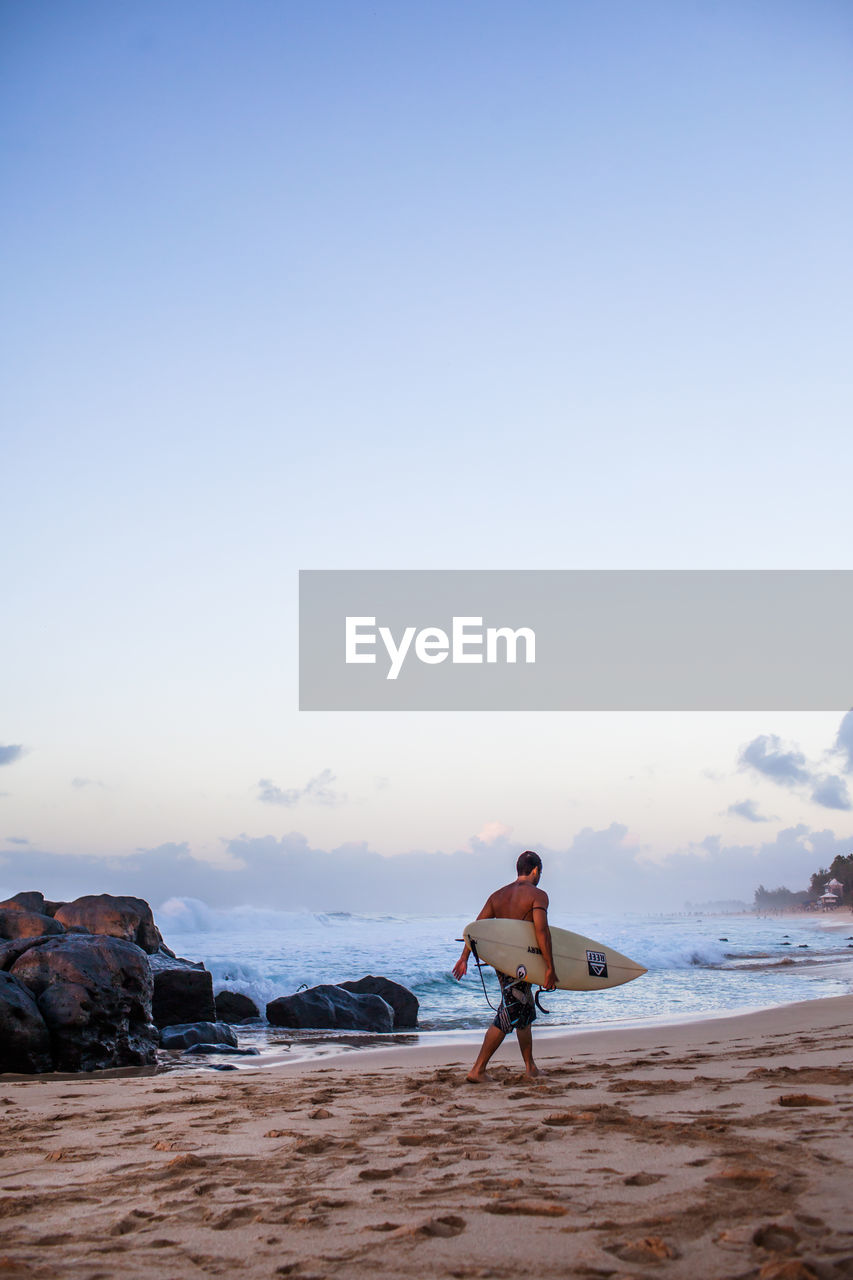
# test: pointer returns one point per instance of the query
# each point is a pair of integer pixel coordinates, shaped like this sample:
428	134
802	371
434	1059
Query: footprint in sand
133	1221
314	1146
379	1175
528	1208
237	1216
450	1224
647	1249
777	1238
743	1179
421	1139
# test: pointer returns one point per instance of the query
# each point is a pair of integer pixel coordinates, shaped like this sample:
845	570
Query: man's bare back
516	901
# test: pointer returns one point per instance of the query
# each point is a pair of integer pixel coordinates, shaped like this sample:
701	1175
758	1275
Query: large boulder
117	917
331	1008
16	922
183	990
404	1003
189	1033
94	994
11	951
24	1037
232	1006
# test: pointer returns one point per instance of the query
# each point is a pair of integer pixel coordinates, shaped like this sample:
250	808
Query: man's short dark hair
527	862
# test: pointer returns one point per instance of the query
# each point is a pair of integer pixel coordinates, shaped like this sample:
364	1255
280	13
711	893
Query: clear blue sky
336	285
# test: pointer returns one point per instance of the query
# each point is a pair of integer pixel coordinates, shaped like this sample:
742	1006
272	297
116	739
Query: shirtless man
519	901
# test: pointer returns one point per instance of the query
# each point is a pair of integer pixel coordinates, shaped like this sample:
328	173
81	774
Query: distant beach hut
834	886
828	900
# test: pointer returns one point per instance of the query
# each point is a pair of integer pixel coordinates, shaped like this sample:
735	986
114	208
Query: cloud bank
598	871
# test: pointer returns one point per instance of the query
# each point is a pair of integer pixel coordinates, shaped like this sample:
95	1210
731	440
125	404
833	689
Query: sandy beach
708	1149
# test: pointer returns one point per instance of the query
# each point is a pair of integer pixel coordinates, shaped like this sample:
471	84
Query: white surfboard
581	964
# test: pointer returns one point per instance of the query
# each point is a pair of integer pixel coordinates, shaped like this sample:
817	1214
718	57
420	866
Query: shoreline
324	1047
683	1029
717	1147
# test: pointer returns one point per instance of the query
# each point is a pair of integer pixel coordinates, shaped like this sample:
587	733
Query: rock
17	922
30	901
182	993
24	1037
185	1034
331	1008
231	1006
117	917
94	994
400	998
222	1048
165	959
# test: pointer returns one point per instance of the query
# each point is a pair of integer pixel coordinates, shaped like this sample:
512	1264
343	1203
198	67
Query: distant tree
767	899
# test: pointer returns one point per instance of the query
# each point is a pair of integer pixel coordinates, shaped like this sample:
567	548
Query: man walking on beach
522	900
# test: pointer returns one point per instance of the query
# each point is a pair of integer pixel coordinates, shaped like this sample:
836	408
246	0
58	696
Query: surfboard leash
472	944
536	996
480	963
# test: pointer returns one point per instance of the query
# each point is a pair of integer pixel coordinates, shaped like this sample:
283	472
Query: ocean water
697	965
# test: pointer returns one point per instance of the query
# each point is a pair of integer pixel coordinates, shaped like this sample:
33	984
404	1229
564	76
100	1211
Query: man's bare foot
534	1073
481	1078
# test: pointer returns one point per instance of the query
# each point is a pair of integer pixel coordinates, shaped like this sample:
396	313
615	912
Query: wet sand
710	1149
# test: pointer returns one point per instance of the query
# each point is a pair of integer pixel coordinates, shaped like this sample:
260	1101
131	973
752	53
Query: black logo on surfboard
597	964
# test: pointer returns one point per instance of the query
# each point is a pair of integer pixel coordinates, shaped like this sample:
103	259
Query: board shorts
516	1009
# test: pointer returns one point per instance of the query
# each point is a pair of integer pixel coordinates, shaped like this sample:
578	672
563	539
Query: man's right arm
461	967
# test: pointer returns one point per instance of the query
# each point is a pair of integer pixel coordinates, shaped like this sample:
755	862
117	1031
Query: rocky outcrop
183	991
404	1003
232	1006
189	1033
328	1007
116	917
87	978
24	1037
94	994
16	922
